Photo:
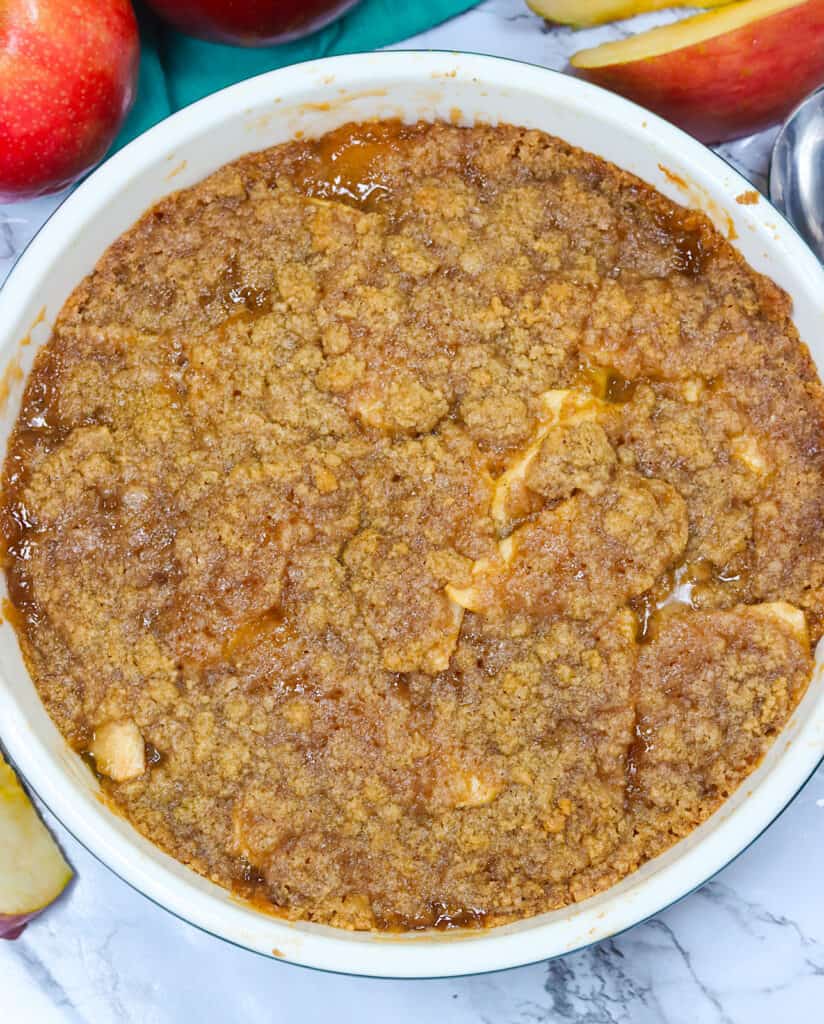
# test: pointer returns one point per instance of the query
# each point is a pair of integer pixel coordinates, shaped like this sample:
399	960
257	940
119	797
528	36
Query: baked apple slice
559	408
581	13
720	75
33	872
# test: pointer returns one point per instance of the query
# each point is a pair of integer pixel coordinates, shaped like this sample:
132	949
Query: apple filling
118	750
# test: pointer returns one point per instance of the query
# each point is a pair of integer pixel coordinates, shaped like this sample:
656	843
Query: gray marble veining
747	948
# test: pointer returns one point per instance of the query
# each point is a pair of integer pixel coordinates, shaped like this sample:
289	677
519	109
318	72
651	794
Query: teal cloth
176	70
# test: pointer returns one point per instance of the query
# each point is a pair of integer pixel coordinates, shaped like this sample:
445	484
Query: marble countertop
747	948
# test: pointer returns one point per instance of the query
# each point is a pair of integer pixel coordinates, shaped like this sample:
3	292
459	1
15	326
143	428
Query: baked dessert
419	526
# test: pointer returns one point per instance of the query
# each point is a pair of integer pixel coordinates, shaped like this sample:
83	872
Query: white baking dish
313	98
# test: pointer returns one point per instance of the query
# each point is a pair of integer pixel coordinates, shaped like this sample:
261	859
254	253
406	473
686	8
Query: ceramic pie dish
313	98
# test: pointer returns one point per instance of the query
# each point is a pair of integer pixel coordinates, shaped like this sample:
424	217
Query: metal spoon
797	170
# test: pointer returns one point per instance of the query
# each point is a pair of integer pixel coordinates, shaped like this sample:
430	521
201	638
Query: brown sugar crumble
420	526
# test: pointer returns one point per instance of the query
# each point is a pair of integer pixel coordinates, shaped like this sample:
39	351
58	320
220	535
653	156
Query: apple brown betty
419	526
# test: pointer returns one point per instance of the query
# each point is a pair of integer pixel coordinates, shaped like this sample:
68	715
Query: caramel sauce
400	686
675	588
268	626
620	389
87	757
700	198
346	164
644	607
41	316
676	179
40	425
640	745
40	429
686	234
12	375
249	884
440	915
232	293
689	256
608	384
11	613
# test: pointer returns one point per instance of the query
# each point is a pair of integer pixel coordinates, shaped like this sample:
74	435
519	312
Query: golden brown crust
353	483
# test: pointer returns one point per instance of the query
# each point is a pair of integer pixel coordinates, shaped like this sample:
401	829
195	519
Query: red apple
720	75
249	22
68	73
33	872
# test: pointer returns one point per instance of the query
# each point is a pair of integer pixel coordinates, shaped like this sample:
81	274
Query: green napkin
176	70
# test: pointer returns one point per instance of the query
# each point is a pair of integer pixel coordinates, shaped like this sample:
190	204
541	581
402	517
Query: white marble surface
748	948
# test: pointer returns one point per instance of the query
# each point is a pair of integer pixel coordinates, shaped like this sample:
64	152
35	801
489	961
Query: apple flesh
720	75
33	872
583	13
68	73
249	22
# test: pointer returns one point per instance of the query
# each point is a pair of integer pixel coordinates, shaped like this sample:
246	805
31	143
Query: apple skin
249	22
12	925
68	75
733	84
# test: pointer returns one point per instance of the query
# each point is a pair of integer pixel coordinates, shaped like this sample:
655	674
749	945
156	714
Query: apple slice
559	407
720	75
581	13
33	872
